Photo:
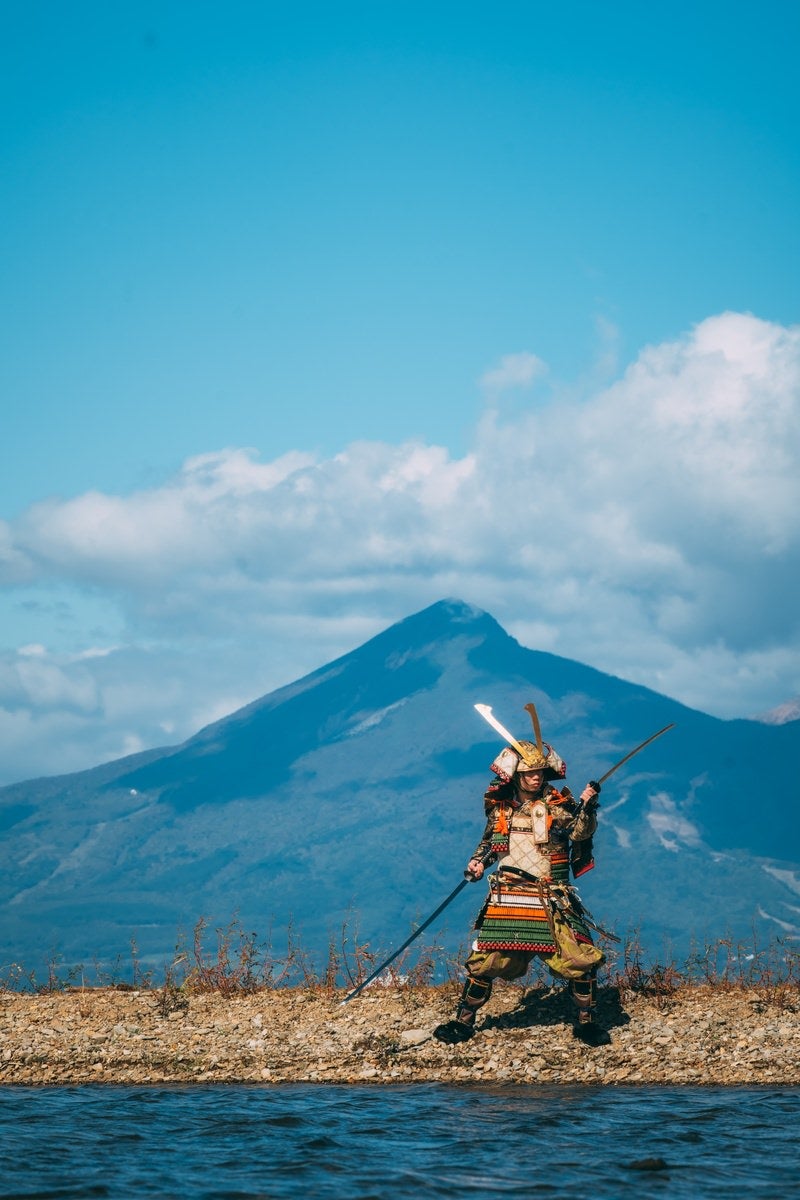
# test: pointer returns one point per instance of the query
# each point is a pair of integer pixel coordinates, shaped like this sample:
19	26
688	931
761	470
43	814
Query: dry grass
231	961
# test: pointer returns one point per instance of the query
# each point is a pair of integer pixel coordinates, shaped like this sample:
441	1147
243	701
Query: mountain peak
782	715
450	609
443	621
378	761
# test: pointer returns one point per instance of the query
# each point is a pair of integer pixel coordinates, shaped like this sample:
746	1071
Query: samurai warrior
536	832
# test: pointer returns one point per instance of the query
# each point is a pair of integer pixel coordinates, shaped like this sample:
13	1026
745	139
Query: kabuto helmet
535	756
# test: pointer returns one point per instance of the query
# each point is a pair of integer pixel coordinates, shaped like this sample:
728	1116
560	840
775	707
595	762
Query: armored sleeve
498	794
579	821
485	844
584	825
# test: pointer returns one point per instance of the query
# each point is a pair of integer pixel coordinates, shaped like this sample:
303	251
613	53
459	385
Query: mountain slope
358	789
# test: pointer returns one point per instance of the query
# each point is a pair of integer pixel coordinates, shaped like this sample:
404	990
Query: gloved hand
589	794
474	869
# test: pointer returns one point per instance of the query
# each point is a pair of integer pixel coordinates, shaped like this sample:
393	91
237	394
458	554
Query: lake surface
364	1143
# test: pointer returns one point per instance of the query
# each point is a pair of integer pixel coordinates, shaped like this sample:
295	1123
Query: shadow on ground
554	1006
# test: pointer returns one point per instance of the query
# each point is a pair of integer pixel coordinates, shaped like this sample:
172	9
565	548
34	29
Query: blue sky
308	311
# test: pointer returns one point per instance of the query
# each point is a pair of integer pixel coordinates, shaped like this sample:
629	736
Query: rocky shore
696	1036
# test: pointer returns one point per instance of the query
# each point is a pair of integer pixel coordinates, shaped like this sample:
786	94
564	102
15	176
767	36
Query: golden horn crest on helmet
537	731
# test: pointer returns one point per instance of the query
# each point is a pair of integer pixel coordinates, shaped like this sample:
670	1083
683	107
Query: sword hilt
485	861
593	801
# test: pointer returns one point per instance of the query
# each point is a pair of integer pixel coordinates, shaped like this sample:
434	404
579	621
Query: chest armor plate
527	841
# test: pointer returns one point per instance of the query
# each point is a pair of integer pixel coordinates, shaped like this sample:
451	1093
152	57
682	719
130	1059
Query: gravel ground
698	1035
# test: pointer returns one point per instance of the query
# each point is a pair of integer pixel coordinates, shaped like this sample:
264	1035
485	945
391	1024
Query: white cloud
31	680
74	714
34	650
513	371
649	529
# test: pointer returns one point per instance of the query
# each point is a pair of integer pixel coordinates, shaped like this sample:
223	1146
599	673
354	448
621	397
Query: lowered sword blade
420	928
428	921
489	716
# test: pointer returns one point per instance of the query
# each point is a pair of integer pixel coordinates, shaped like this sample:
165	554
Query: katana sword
489	716
630	754
420	929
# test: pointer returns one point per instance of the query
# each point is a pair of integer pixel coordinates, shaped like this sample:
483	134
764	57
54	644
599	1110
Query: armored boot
475	994
584	994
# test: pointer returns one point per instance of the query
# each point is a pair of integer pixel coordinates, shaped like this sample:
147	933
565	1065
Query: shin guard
475	994
584	995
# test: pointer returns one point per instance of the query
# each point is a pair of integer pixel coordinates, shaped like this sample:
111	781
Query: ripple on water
357	1143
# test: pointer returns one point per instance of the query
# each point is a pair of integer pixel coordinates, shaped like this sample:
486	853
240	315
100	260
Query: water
360	1143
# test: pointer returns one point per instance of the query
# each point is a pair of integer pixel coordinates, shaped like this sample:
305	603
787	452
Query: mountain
353	797
789	711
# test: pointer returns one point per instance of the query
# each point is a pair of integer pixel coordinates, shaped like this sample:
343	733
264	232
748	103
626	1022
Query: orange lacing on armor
501	824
